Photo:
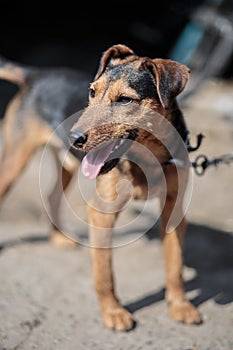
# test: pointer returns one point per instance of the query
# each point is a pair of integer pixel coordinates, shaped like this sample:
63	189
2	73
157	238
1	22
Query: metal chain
201	162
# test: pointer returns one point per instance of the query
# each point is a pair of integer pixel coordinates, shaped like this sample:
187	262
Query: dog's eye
91	92
124	100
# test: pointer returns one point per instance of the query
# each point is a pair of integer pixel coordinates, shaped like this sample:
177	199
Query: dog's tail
12	71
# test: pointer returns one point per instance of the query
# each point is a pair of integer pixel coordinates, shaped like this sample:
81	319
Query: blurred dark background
75	34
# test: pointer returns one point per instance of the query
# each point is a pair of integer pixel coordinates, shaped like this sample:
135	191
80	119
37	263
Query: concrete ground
47	300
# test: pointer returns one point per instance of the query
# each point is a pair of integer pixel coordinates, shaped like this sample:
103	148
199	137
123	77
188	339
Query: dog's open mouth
105	157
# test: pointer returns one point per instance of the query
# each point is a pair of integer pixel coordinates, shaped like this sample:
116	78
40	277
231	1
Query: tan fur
100	123
15	75
23	133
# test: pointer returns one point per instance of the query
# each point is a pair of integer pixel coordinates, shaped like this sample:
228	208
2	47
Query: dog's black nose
77	139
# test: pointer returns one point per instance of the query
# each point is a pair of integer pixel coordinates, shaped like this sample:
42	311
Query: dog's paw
118	319
184	311
61	241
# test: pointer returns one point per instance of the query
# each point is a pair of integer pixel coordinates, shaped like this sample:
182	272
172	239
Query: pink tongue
94	160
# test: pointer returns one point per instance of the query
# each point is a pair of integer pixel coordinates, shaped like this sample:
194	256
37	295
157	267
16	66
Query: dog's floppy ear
116	51
171	78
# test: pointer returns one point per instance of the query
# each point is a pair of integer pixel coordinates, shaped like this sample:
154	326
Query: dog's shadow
210	253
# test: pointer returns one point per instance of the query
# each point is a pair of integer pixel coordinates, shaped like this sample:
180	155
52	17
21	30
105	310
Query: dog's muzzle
103	157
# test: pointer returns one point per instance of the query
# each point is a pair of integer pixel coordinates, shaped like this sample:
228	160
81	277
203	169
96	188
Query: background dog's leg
19	142
64	177
180	308
100	233
11	165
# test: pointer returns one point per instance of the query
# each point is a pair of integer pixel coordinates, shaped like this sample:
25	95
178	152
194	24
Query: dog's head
124	87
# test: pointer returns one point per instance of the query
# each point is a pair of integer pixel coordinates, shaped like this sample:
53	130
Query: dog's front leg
180	308
102	216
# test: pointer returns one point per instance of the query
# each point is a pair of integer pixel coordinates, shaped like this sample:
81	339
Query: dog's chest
147	179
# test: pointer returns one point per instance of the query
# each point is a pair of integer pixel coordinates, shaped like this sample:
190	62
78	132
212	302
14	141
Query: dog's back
55	93
52	94
43	103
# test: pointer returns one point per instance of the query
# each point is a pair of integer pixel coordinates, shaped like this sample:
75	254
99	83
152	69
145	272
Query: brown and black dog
120	135
117	131
45	98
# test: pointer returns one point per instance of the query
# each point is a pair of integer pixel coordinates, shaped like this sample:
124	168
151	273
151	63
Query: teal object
187	43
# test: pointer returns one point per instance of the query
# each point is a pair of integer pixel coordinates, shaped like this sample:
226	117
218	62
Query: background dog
45	98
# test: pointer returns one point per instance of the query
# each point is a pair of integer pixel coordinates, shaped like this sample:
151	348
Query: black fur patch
141	81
